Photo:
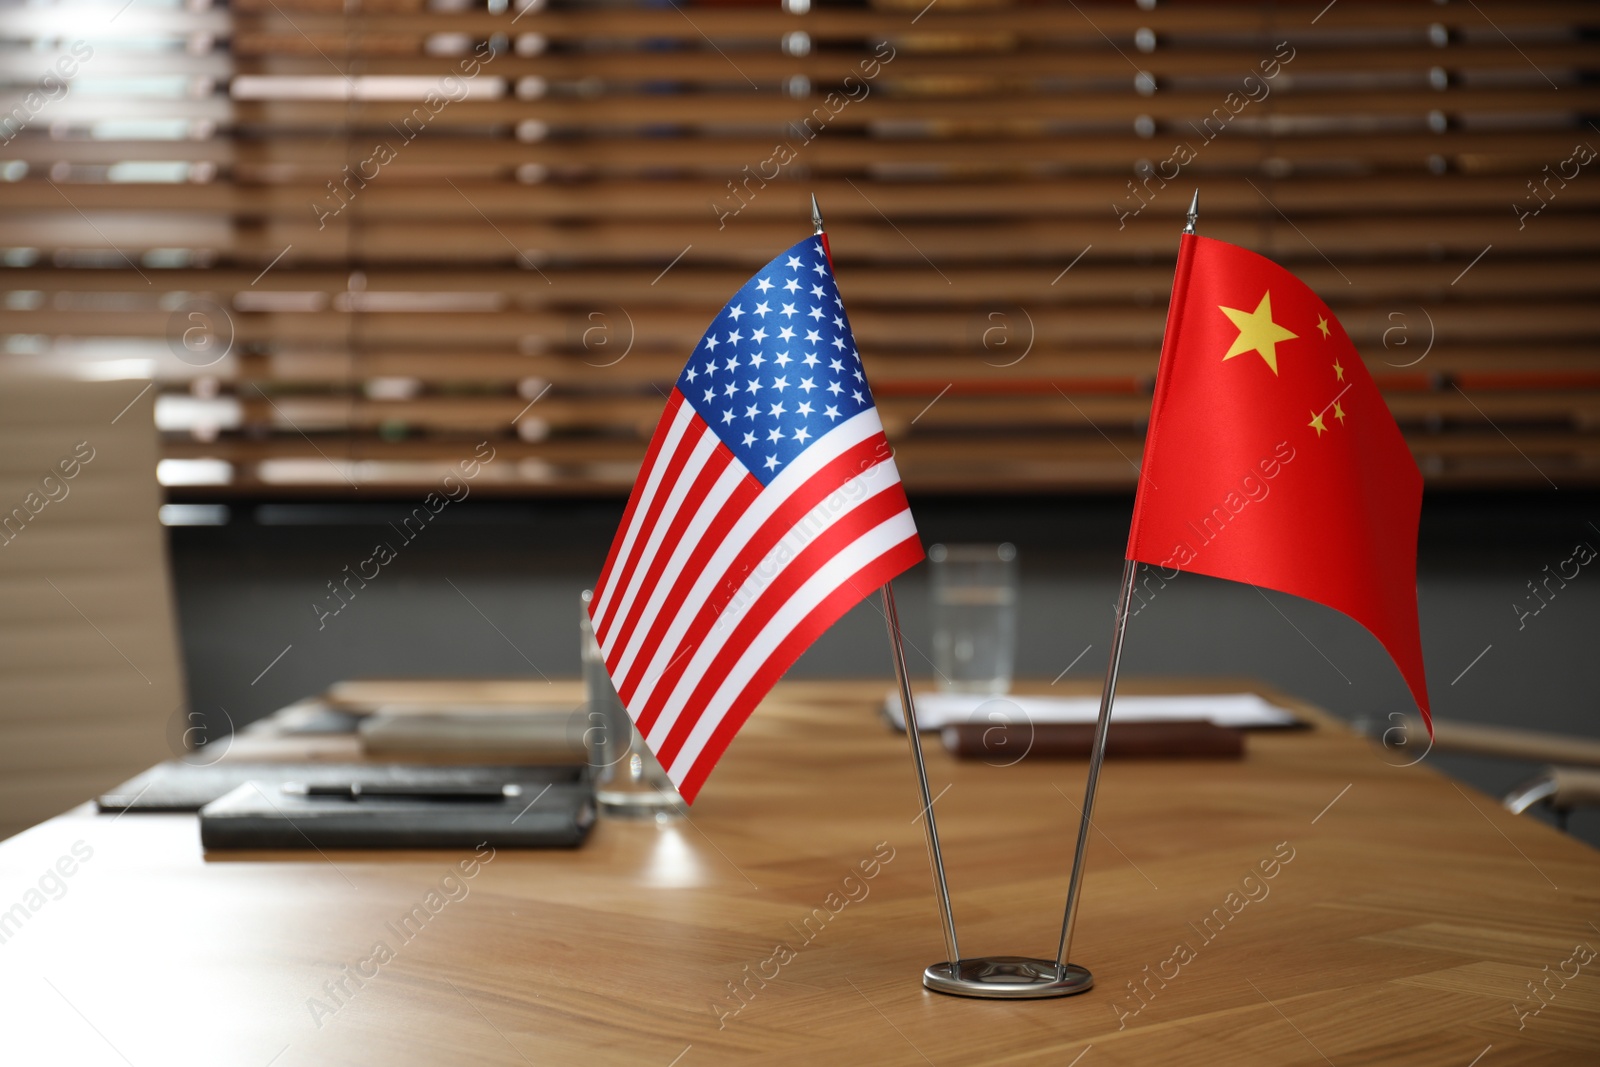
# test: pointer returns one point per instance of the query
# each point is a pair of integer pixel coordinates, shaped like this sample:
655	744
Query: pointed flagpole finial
816	214
1194	213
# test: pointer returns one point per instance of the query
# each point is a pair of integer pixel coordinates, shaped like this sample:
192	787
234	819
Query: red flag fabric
1271	458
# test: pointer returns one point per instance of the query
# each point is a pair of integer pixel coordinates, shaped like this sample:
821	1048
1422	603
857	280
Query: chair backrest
90	686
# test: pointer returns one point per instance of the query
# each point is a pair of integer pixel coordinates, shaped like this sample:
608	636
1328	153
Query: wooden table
1403	923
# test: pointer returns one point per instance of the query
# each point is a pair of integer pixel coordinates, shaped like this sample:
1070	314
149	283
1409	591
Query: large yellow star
1257	332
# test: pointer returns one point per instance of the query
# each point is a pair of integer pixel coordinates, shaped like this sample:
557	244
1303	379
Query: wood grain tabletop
1314	903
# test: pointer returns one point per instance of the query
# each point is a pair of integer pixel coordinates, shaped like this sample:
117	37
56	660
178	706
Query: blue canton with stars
778	367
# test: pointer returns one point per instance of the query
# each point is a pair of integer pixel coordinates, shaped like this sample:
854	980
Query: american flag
768	506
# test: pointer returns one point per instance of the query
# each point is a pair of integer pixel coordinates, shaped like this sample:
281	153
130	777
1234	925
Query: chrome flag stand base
1008	978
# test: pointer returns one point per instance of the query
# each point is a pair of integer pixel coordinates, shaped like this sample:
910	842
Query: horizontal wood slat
876	330
1032	59
1474	152
534	246
458	414
1397	366
951	199
966	464
704	287
1186	111
1087	22
382	278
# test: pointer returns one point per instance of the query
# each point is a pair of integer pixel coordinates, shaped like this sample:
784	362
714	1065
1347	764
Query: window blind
350	240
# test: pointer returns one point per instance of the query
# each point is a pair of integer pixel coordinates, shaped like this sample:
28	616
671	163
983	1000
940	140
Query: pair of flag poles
1010	977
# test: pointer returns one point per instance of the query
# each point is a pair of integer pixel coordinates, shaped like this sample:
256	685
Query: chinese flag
1271	458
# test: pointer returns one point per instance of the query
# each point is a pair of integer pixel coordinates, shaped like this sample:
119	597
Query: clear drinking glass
974	616
628	780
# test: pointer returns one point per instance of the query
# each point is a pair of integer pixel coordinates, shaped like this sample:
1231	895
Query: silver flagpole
914	738
1018	977
1130	571
897	648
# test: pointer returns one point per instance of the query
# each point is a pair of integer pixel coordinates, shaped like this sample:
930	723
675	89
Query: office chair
90	686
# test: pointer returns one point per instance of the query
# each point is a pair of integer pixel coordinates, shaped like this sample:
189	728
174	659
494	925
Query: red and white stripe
715	583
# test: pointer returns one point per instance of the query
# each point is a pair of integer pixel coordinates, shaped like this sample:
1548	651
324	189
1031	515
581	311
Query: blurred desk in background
1402	922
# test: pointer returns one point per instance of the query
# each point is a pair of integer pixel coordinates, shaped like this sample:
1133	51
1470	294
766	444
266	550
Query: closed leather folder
1009	742
181	785
261	816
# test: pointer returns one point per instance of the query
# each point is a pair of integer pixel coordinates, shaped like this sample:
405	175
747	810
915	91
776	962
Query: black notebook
264	816
177	785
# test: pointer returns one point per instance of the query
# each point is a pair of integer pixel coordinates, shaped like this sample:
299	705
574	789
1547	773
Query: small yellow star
1316	423
1338	370
1322	324
1257	332
1338	412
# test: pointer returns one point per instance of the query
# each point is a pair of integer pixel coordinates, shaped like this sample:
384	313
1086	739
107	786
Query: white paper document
936	710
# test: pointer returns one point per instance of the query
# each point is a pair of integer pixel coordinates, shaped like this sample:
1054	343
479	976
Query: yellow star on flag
1316	422
1322	324
1338	412
1338	370
1257	332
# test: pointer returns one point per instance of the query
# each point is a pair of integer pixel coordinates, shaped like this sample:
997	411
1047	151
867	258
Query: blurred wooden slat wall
340	281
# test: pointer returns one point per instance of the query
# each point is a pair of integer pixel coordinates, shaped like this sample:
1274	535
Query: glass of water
974	594
628	781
